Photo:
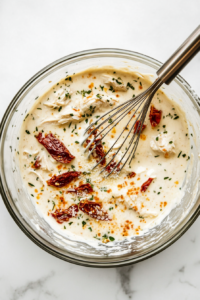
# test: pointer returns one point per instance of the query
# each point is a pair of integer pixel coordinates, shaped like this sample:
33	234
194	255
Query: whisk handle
180	58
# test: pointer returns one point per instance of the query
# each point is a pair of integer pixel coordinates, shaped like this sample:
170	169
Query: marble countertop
35	33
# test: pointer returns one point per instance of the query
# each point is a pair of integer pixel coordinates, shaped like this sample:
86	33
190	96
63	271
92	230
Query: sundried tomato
146	184
63	215
37	164
131	175
137	127
63	179
55	148
86	188
98	151
111	166
155	116
94	210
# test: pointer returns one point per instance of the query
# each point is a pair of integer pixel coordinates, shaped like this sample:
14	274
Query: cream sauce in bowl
124	208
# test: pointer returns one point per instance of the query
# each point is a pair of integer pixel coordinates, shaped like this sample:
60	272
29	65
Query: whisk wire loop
113	120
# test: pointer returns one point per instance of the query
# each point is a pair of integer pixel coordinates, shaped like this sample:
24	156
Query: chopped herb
166	178
103	189
110	121
71	115
157	156
105	236
30	184
53	205
129	85
26	117
83	92
92	109
170	142
60	108
111	238
86	120
98	96
102	87
83	223
90	228
86	173
110	208
64	227
76	142
176	117
111	89
118	82
157	138
68	78
39	108
179	154
70	124
184	155
32	195
67	95
27	131
70	223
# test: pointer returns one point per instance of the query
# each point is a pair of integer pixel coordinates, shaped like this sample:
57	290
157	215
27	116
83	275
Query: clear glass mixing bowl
18	202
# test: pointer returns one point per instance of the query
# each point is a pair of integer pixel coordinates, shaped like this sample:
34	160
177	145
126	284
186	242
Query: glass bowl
18	202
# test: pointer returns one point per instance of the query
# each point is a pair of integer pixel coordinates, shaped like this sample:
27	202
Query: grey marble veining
37	287
35	33
124	274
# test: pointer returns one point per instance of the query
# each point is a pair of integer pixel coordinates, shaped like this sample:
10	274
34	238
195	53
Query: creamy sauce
65	111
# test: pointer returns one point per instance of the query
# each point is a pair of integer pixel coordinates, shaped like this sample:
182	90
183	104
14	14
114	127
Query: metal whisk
140	104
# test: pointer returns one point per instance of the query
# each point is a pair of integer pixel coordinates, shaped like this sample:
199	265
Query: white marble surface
35	33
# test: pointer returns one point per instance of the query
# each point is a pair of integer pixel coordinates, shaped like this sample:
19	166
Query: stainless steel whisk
166	74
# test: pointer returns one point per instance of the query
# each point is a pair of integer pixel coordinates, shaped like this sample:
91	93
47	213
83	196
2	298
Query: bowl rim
36	238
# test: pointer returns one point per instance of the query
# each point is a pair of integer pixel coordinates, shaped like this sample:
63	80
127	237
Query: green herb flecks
102	87
53	205
179	154
83	223
83	92
129	85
